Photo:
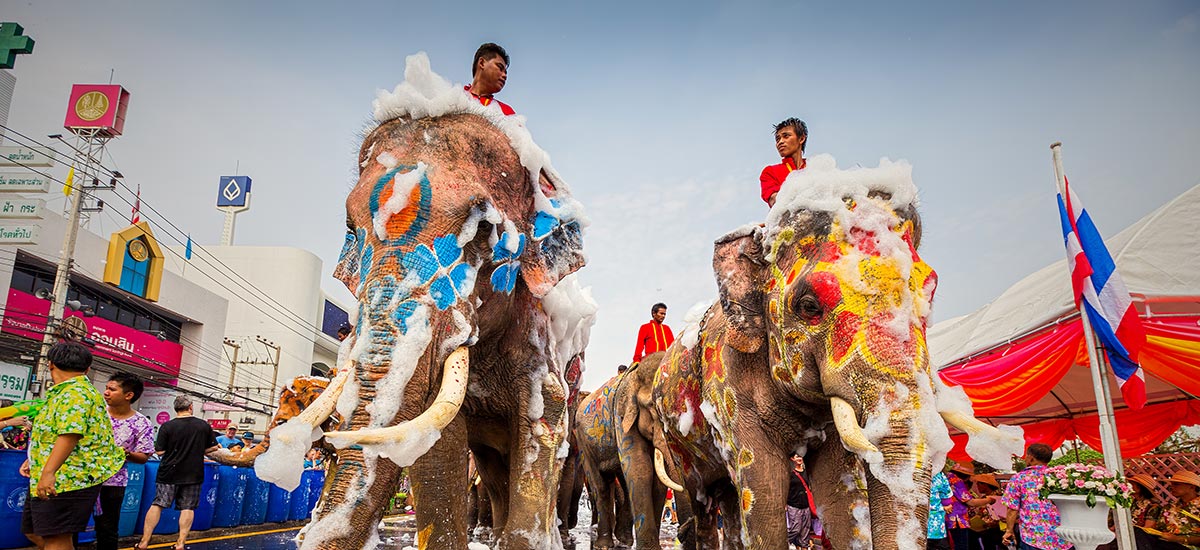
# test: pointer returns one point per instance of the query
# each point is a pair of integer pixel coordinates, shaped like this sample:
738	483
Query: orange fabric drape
1172	351
1006	382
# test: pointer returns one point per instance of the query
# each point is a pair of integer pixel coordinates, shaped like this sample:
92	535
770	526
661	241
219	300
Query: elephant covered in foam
460	245
817	346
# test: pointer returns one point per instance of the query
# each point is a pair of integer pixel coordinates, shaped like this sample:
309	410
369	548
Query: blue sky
657	114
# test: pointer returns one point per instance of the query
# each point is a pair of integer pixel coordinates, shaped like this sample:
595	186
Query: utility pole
275	378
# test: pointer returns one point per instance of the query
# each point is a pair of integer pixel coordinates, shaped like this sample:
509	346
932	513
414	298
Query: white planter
1082	526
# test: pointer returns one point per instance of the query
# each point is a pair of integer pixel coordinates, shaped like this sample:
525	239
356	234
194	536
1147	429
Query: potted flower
1083	494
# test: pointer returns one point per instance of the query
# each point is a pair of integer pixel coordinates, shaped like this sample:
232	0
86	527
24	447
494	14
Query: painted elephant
816	345
461	238
597	437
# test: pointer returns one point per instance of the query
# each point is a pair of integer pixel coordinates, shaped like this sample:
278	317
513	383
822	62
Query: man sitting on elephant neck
791	136
489	72
653	336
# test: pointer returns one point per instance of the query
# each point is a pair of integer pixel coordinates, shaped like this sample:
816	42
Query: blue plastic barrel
133	500
168	521
231	492
298	509
314	492
88	535
208	497
14	489
279	503
254	508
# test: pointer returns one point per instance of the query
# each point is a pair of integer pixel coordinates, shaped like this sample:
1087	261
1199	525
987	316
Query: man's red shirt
489	99
652	337
772	176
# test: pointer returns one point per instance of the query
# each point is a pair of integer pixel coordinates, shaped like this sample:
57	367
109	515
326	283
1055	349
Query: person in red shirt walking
791	136
489	72
653	336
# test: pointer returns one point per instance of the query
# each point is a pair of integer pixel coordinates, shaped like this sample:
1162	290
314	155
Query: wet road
396	533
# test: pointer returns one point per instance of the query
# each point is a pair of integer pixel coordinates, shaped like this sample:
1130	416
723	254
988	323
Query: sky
658	115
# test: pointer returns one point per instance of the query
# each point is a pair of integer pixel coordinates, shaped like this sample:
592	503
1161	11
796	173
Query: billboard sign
15	155
25	315
23	182
233	191
97	107
219	423
22	208
14	381
18	233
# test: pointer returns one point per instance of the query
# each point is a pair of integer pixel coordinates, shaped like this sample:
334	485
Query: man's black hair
1041	452
622	368
655	307
488	51
70	356
129	383
796	125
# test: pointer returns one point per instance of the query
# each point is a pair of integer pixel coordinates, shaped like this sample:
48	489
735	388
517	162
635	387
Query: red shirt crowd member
653	336
791	136
489	73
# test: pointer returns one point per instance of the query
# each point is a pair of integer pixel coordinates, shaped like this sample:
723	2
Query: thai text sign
97	107
26	156
22	208
24	182
25	315
18	234
219	423
14	380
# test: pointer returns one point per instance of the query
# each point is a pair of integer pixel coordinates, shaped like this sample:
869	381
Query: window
23	280
126	317
107	310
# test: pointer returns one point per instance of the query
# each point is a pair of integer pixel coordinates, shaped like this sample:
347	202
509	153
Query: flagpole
1099	369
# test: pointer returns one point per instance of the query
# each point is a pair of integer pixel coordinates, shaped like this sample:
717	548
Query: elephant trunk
899	484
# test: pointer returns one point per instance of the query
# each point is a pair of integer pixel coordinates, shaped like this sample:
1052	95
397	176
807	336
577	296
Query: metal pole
232	364
1099	370
63	271
227	231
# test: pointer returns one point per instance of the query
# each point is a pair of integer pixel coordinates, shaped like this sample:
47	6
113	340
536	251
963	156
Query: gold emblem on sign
73	328
138	250
91	106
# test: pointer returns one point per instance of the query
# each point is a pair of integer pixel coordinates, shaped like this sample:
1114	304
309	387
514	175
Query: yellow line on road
233	536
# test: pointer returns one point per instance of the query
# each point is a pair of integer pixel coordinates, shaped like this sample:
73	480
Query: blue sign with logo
233	191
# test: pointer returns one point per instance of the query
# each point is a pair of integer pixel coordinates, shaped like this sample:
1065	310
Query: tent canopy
1021	359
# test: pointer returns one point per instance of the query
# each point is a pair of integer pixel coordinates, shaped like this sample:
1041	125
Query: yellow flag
67	186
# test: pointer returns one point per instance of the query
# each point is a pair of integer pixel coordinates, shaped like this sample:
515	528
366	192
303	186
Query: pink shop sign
25	315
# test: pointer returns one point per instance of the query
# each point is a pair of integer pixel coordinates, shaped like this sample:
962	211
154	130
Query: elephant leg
646	494
704	521
600	491
564	509
623	529
762	487
533	481
437	483
493	488
730	503
839	491
686	534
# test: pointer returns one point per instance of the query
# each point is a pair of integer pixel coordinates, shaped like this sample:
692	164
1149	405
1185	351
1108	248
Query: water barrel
298	508
231	492
168	521
14	489
208	497
278	504
133	500
88	535
314	492
254	507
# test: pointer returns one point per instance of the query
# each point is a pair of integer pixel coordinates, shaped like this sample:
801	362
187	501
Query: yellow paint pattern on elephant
747	500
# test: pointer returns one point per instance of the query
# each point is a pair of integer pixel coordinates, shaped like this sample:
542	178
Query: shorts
62	514
185	496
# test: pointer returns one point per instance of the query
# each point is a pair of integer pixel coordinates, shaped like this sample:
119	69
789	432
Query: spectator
1146	511
182	442
653	336
984	520
314	459
957	523
71	452
803	528
248	440
1180	528
14	432
135	435
1036	516
343	331
229	438
939	504
791	136
621	369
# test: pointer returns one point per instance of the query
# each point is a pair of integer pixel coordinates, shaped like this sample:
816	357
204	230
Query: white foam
692	319
283	463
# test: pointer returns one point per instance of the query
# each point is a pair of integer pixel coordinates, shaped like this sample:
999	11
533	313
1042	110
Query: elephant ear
556	236
740	270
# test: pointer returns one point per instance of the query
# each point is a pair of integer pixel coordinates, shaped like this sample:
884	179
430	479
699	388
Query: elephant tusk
437	416
852	434
967	423
661	470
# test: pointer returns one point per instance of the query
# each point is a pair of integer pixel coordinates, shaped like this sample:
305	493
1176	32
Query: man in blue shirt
229	439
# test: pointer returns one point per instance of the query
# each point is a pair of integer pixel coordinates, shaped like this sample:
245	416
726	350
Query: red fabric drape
1139	431
1004	383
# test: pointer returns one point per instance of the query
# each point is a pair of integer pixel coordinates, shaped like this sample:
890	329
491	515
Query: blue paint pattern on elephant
442	268
504	277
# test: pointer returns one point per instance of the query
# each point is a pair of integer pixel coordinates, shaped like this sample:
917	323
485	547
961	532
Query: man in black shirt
800	514
182	443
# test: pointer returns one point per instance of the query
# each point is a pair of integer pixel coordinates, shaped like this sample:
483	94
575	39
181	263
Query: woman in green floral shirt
71	452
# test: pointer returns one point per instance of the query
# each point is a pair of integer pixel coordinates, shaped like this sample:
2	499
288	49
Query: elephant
570	487
816	346
460	248
595	432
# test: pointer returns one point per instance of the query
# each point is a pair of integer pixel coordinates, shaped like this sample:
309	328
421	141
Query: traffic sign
26	156
23	182
22	208
233	191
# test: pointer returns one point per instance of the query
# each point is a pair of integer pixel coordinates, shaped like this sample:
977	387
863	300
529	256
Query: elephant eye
808	307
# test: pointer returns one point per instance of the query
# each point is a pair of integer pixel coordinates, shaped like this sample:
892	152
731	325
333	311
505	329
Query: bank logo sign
233	191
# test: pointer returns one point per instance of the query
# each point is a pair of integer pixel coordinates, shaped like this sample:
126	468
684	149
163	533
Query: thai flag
1098	286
